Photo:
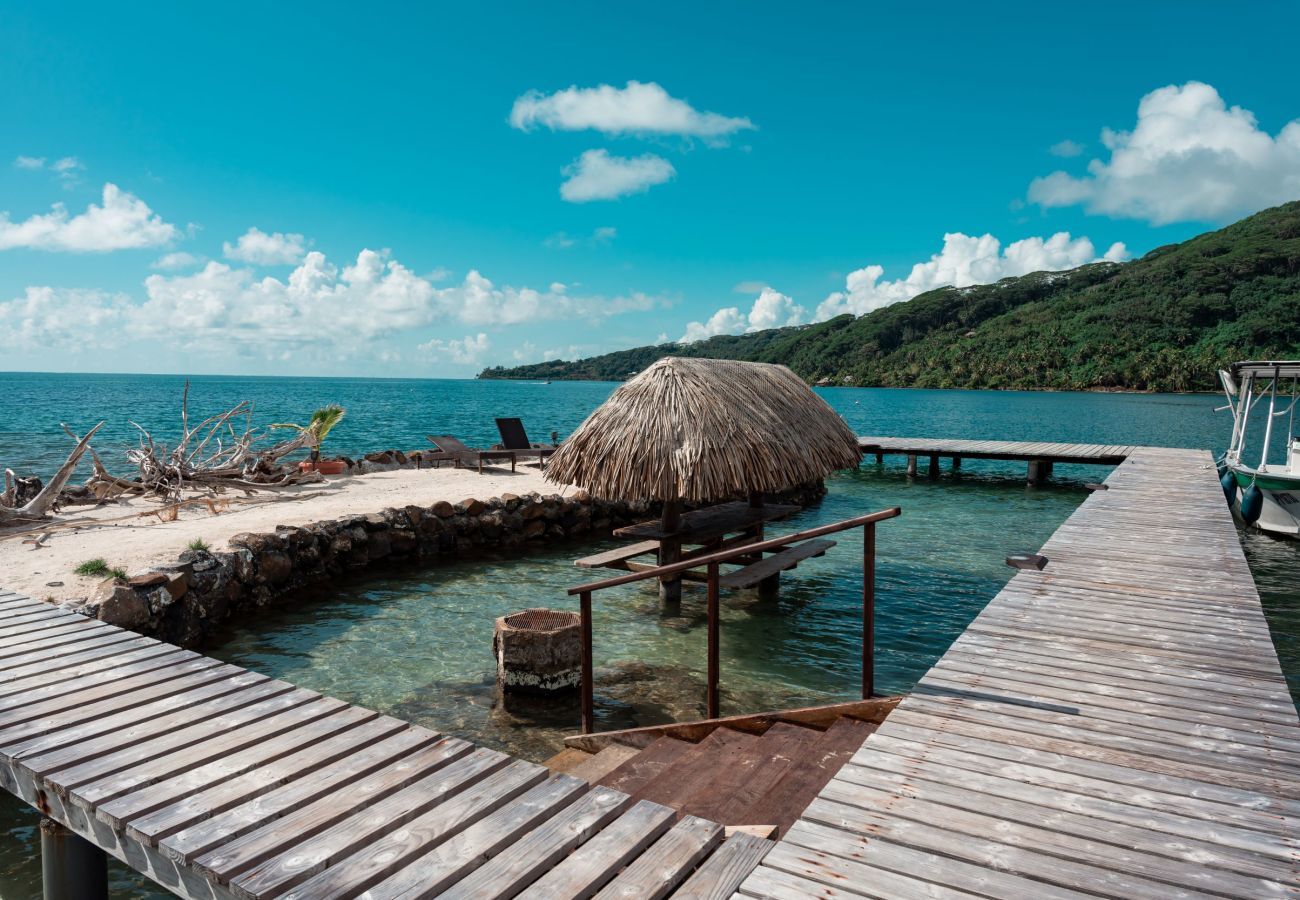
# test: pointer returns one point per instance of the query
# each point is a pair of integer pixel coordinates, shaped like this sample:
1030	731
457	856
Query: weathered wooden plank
450	862
779	562
720	875
596	862
656	872
617	555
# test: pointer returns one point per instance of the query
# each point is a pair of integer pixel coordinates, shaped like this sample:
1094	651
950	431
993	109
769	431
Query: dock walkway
1115	725
217	782
1040	455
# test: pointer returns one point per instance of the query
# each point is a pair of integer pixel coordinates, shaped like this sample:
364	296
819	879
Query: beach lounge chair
513	437
451	448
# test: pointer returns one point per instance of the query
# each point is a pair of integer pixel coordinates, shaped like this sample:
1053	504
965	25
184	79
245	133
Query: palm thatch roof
705	429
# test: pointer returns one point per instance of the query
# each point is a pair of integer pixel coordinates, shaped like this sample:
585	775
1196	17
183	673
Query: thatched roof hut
705	429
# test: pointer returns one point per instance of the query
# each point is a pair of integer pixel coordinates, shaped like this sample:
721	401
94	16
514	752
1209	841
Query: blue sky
737	154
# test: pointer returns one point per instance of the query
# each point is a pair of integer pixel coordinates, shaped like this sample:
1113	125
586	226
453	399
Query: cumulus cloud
177	260
261	249
347	308
639	108
29	162
1190	157
466	351
122	222
771	309
964	260
595	175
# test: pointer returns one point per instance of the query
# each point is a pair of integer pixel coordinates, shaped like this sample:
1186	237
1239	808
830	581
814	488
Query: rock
443	510
414	515
256	542
533	511
124	608
148	580
244	564
274	567
380	545
471	507
534	529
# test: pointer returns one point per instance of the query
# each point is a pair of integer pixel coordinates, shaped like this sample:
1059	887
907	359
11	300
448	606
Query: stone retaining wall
182	602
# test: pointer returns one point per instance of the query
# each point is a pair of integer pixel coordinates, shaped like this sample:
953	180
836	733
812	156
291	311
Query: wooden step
567	759
691	774
787	798
647	765
617	555
594	768
746	781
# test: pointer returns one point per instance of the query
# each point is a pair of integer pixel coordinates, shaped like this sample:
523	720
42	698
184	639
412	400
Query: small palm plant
322	422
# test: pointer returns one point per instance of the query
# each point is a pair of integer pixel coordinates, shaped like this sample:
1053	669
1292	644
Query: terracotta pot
325	466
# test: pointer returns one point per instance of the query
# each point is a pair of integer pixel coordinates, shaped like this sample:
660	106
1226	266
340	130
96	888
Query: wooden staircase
755	773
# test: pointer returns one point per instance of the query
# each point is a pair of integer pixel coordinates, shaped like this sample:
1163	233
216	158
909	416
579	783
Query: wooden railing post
714	615
868	610
588	710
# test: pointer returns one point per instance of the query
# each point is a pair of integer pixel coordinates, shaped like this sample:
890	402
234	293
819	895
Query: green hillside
1164	322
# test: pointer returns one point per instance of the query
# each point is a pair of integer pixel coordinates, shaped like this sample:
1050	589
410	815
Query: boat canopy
1268	369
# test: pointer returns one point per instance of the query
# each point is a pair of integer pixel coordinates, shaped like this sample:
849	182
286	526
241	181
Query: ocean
416	642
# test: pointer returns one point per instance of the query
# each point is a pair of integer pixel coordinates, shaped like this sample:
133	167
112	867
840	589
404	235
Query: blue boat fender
1229	482
1252	504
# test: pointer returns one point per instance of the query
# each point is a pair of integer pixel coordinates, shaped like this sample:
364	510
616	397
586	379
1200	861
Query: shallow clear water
417	643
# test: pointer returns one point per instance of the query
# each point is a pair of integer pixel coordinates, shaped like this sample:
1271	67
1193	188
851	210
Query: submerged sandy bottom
129	536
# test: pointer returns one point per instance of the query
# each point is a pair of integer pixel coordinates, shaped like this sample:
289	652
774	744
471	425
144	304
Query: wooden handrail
712	560
741	550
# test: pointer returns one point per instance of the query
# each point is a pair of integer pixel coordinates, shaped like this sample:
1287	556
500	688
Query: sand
128	536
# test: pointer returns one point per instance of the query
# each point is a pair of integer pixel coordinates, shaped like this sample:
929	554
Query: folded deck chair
513	437
451	448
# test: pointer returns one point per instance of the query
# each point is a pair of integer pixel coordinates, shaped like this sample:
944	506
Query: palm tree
321	423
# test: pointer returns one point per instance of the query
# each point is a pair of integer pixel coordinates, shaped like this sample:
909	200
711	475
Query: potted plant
321	423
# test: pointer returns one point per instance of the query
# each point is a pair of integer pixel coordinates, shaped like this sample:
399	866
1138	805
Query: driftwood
40	506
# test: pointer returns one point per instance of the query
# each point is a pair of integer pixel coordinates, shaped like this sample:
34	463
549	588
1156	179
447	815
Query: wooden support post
670	551
714	656
769	588
72	868
911	464
934	465
880	458
956	463
1035	476
868	610
588	689
1047	469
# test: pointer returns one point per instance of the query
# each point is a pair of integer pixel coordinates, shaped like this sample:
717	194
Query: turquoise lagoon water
416	643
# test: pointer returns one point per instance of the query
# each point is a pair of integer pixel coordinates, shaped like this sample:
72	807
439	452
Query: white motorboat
1261	469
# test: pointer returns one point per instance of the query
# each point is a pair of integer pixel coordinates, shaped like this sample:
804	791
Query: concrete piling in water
538	651
72	868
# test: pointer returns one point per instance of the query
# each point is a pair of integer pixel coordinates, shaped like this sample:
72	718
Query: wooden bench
613	558
775	564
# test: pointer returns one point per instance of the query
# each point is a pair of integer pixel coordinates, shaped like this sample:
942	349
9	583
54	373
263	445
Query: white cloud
318	305
771	309
749	287
638	108
177	260
123	222
599	237
1190	157
964	260
29	162
595	175
261	249
1066	148
466	351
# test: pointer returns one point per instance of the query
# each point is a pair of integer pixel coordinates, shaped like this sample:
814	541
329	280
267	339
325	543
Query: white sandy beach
129	536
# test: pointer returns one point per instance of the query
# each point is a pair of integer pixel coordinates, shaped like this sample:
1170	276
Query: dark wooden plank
753	573
617	555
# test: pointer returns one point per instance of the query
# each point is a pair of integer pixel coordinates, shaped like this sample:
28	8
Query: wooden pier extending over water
1114	725
1039	455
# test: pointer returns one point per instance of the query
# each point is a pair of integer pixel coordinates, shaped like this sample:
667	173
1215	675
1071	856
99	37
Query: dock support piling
670	551
956	463
1035	476
714	661
934	465
880	458
72	868
911	464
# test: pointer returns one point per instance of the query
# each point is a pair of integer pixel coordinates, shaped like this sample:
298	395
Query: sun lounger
451	448
513	437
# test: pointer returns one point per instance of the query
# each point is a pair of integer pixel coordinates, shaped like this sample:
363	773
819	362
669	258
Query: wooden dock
1039	455
217	782
1115	725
